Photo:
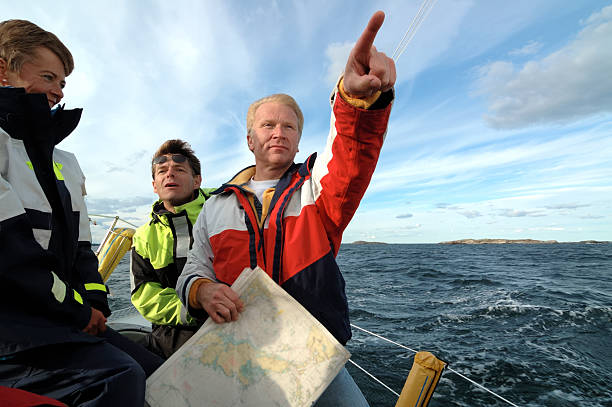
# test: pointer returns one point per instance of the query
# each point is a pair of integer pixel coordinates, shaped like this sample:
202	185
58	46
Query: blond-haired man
288	218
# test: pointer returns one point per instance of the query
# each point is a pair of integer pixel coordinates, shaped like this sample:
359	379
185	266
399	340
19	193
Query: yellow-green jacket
159	253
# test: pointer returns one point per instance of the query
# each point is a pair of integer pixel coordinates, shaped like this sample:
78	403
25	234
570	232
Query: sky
501	126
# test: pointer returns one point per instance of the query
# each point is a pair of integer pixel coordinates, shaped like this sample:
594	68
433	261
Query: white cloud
110	205
565	86
547	228
470	214
521	161
566	206
146	73
592	217
337	54
601	17
532	47
519	213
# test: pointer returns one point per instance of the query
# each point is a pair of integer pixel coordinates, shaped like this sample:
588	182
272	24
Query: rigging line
482	387
446	367
421	15
372	376
410	28
384	339
113	217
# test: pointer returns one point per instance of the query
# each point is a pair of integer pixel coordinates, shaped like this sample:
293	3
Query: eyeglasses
177	158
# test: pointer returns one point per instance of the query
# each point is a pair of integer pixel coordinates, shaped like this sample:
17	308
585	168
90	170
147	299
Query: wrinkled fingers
383	68
229	311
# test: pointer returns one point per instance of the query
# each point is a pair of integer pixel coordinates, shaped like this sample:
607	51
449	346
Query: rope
420	16
384	339
372	376
414	351
113	217
482	387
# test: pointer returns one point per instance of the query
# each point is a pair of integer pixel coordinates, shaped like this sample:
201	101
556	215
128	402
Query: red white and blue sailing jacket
299	233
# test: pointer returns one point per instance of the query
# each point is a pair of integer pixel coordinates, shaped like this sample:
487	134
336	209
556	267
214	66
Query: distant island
497	241
500	241
516	241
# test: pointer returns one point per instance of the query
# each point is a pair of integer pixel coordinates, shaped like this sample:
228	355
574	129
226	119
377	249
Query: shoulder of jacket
139	240
64	154
207	192
145	234
4	136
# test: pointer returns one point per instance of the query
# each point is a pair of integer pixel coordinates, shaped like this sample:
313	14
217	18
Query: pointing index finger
366	40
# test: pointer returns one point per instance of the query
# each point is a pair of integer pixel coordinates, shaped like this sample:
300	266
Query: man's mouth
171	185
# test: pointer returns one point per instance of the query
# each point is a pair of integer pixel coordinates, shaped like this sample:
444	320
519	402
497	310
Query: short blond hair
281	98
19	40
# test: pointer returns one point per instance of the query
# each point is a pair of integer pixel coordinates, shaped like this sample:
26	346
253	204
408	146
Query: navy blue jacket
48	272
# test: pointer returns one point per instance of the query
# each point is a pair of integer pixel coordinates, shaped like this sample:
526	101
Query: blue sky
501	128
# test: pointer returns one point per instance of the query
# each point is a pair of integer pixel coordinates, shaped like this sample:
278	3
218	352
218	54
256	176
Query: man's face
174	182
42	73
274	136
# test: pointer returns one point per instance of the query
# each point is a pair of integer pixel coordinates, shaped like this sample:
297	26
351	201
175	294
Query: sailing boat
420	383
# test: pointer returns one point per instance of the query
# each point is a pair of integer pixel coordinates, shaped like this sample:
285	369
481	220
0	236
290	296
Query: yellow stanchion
117	242
421	381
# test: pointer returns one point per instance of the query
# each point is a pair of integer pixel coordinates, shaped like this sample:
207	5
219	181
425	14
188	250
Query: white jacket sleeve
199	261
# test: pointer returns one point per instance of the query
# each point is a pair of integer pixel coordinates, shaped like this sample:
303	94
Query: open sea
532	323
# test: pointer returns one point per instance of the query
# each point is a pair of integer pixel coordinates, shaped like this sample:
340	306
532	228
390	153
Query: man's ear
197	181
154	187
250	142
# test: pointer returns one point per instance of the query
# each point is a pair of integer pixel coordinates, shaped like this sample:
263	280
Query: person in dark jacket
53	337
160	247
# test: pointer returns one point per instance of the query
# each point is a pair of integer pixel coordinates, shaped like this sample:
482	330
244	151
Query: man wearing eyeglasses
160	247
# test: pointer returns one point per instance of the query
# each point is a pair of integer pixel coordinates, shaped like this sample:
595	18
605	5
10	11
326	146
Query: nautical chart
276	354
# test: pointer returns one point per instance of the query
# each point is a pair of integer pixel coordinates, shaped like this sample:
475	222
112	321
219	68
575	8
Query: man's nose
279	132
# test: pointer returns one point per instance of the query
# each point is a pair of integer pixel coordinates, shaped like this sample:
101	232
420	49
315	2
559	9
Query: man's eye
267	125
48	77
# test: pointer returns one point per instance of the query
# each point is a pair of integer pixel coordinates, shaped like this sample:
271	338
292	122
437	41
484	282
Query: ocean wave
529	323
467	282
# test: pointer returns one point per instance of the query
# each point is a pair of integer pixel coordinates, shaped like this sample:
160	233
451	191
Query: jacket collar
242	177
27	115
192	208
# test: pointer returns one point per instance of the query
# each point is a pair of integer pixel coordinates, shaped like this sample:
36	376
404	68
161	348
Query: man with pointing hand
288	218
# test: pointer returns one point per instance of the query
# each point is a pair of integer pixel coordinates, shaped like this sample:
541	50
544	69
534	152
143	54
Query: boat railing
414	351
